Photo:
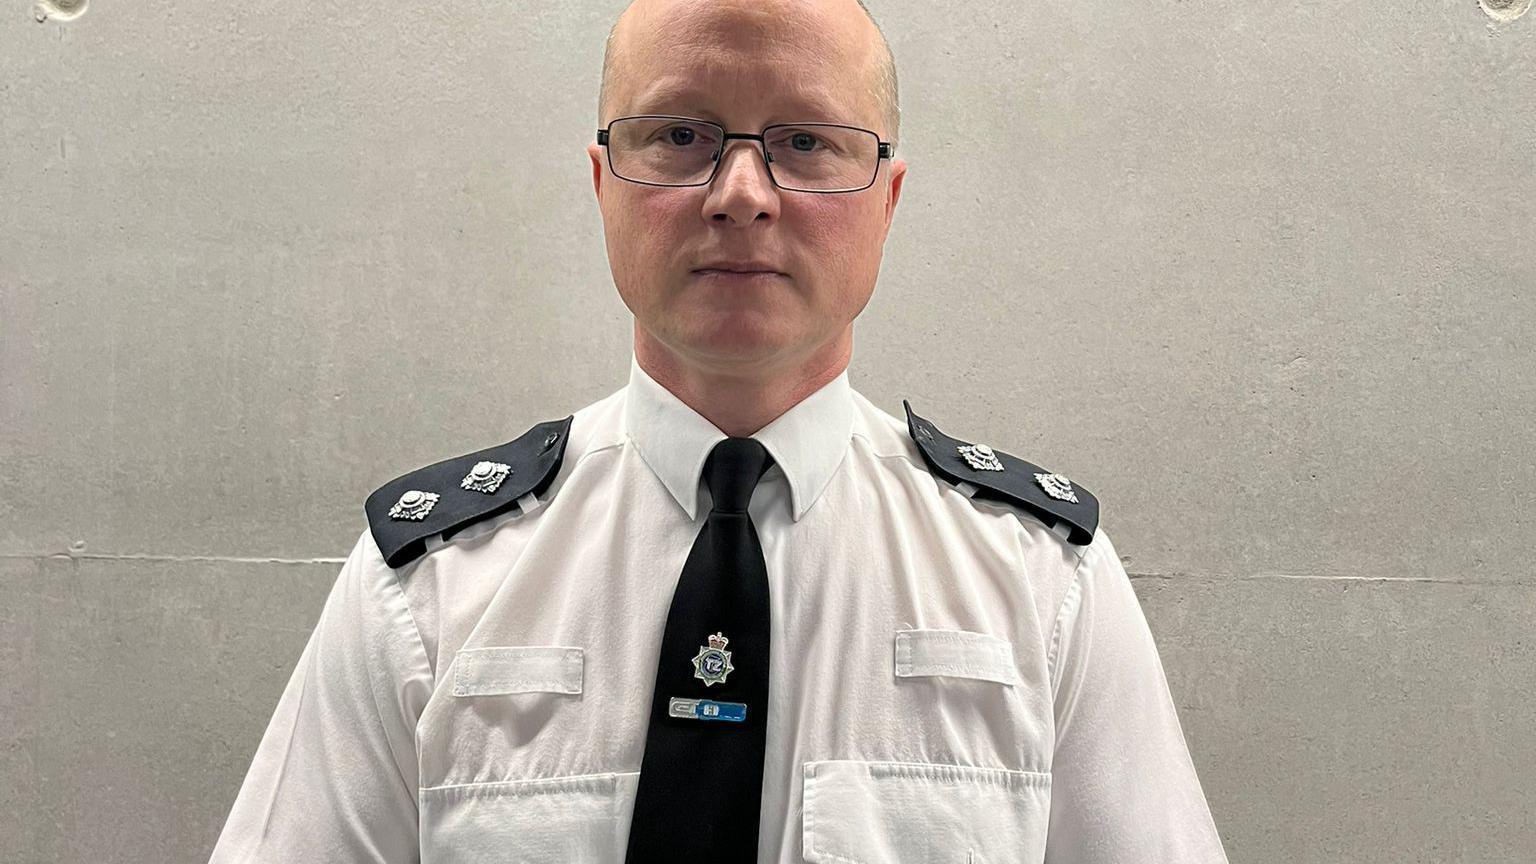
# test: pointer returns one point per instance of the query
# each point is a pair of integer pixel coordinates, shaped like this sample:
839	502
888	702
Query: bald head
642	18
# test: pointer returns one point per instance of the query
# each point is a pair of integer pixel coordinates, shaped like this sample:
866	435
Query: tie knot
732	470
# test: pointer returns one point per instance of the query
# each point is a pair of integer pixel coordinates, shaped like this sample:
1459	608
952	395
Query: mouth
709	271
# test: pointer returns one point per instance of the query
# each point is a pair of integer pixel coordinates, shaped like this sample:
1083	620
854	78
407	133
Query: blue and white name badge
707	709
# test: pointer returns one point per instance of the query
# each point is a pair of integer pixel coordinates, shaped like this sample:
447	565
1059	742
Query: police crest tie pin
711	665
713	662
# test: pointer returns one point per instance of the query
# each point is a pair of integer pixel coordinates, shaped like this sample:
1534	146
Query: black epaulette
448	496
1002	476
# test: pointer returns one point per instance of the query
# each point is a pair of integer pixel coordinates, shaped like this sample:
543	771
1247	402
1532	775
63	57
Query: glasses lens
663	150
811	157
821	158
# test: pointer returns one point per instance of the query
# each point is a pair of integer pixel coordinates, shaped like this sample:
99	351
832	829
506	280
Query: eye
805	142
683	135
800	142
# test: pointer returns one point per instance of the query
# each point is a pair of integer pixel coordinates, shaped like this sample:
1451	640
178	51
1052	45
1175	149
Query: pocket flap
517	669
959	653
858	812
571	820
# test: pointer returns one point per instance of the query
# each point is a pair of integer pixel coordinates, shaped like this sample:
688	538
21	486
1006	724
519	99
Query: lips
740	265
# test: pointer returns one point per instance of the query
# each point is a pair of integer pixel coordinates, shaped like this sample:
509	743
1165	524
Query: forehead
735	55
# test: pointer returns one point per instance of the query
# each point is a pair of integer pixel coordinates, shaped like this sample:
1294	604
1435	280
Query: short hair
883	88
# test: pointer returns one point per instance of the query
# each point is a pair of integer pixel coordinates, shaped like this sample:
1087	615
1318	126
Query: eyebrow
667	94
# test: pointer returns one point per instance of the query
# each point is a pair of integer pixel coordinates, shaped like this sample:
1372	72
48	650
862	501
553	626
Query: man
732	611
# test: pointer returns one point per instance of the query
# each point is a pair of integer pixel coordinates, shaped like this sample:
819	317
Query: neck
741	400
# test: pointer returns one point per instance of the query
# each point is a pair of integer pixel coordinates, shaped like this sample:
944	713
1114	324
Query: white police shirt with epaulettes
961	671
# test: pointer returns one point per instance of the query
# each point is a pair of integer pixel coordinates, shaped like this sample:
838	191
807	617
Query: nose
731	170
741	192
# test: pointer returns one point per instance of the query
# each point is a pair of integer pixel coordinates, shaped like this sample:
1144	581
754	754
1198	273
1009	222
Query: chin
737	342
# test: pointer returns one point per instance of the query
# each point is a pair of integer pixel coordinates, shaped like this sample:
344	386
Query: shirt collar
807	442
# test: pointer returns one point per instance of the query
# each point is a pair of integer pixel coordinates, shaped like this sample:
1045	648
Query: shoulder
449	496
982	472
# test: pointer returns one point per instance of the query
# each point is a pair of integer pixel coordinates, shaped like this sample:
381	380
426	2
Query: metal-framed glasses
666	150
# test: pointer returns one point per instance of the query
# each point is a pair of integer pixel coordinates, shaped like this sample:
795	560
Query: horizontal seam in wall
1191	577
1170	577
222	558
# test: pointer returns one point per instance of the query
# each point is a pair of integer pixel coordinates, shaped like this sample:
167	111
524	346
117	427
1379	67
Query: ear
595	152
898	174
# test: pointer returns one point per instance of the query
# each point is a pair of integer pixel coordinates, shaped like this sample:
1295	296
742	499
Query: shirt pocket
581	819
858	812
502	670
955	653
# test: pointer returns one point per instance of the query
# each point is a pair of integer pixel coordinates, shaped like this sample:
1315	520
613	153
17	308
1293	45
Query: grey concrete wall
1259	275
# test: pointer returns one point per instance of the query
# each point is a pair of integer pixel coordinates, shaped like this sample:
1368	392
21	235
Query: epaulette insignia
1049	497
448	496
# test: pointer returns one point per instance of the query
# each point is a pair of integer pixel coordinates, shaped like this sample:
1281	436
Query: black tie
701	779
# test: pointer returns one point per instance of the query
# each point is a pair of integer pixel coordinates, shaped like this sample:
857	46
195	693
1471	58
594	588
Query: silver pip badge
713	663
980	457
1057	486
485	477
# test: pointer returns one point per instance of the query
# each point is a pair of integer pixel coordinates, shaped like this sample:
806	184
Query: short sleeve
1123	787
335	775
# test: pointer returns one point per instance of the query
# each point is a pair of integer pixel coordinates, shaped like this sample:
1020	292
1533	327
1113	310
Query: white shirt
952	681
